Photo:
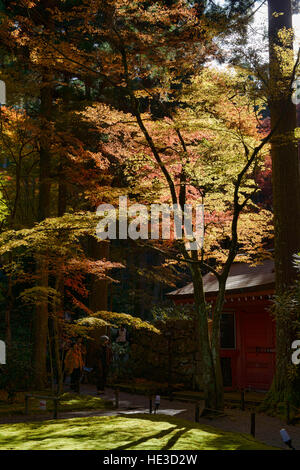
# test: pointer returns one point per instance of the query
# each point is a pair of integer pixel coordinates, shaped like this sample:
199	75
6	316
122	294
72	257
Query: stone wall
171	356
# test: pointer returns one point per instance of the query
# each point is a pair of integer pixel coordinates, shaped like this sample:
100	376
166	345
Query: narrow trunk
58	362
8	316
62	183
44	153
9	307
58	316
208	373
41	330
51	362
215	344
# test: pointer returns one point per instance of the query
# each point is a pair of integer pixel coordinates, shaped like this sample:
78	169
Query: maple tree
209	149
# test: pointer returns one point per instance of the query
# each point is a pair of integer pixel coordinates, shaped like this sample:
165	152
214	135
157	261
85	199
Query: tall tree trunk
62	180
41	321
41	329
215	344
9	307
46	96
58	361
8	310
208	374
285	178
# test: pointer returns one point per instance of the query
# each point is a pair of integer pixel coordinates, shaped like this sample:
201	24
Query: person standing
156	403
74	364
122	335
104	361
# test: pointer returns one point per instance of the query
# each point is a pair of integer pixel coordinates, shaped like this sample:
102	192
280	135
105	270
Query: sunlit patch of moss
72	402
140	432
68	402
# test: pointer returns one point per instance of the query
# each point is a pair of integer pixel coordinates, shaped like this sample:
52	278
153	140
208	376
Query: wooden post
243	400
252	431
26	404
55	409
197	412
116	399
169	360
150	404
287	412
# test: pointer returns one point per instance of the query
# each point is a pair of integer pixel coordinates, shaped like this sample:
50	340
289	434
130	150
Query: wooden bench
44	397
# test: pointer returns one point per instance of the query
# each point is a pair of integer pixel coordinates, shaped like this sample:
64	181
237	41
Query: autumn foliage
118	97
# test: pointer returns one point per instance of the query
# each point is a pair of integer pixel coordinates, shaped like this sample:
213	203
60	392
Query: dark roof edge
244	290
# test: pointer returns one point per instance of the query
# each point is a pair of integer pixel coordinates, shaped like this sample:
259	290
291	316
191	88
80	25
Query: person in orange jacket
74	362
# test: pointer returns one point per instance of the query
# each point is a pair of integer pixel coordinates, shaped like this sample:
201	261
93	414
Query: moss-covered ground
141	432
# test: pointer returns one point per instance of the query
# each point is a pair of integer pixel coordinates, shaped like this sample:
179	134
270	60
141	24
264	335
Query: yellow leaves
40	295
20	39
127	320
219	101
145	93
30	3
93	323
71	330
286	36
277	14
101	114
54	236
254	228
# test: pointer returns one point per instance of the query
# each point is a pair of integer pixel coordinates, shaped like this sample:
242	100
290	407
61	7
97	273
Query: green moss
141	432
94	323
68	402
75	402
127	320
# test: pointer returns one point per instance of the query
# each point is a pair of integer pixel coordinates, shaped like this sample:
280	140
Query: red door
259	350
228	351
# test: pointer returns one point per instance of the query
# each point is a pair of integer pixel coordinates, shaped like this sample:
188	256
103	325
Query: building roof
242	278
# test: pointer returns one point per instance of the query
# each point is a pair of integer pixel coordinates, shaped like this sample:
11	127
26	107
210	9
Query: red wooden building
247	328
